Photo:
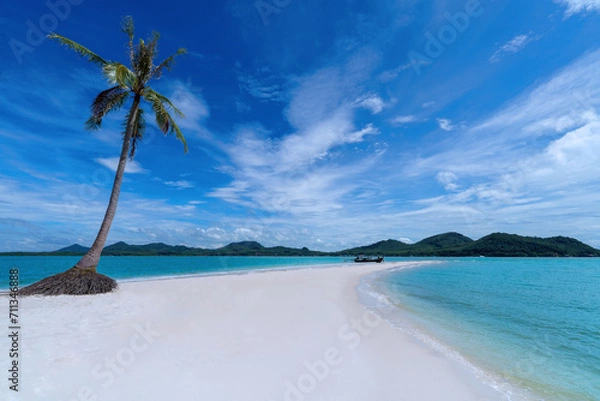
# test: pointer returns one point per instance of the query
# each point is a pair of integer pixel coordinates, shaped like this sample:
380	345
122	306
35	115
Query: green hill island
442	245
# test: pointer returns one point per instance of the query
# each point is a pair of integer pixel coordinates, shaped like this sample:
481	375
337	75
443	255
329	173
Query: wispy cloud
446	124
566	101
191	102
111	163
74	211
448	180
181	184
63	105
297	174
305	172
402	120
578	6
390	75
373	103
262	84
515	45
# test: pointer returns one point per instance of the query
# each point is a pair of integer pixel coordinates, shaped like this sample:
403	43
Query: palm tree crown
132	81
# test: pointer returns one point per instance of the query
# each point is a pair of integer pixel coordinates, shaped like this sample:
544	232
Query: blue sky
326	125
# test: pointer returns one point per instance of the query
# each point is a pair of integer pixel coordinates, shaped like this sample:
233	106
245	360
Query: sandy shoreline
297	334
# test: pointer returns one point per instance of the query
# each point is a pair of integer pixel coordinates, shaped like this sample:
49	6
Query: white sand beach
290	335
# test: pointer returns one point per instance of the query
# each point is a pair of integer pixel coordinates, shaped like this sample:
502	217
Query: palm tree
126	83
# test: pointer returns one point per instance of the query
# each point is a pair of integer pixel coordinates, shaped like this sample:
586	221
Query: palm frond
118	74
168	63
178	134
79	49
128	28
161	114
165	122
106	101
163	99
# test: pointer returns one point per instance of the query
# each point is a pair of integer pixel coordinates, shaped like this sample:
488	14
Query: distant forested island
448	244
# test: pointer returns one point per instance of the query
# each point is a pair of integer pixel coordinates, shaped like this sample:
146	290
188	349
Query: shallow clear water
33	268
534	323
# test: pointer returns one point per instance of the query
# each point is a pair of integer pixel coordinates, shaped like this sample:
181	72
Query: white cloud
565	102
192	104
311	169
263	85
571	160
74	211
445	124
390	75
550	185
304	147
401	120
448	180
181	184
577	6
111	163
317	96
294	174
514	45
428	104
358	136
373	103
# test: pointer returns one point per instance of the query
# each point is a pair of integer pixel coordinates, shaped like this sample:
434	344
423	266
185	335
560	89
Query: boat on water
368	259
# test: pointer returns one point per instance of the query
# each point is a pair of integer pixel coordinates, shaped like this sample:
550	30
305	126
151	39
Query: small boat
368	259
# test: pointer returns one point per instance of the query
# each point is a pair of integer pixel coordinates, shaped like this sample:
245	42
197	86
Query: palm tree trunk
90	260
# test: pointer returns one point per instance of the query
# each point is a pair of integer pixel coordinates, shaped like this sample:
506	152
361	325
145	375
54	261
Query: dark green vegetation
498	244
246	248
449	244
428	247
513	245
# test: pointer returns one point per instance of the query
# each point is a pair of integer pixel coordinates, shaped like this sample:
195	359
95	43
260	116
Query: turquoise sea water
33	268
532	323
